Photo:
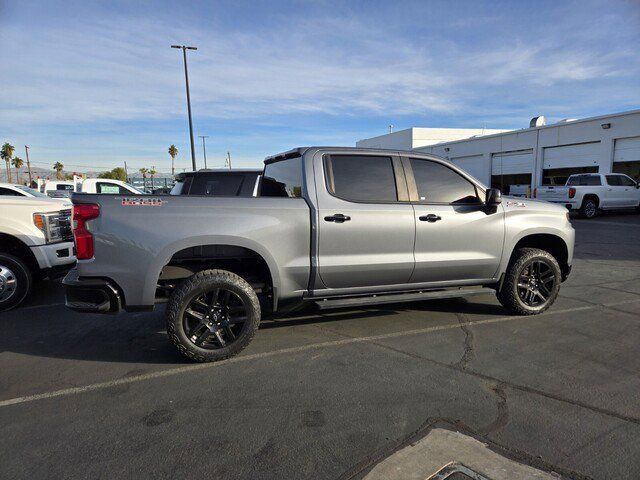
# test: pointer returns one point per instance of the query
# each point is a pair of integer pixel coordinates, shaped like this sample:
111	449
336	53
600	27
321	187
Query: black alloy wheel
536	283
214	319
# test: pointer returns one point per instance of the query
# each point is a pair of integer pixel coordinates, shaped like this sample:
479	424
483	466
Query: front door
366	232
457	239
631	193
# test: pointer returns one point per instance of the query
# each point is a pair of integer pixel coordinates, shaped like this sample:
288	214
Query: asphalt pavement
330	396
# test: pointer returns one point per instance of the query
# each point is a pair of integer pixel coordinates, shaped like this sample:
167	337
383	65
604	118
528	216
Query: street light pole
26	149
186	79
204	148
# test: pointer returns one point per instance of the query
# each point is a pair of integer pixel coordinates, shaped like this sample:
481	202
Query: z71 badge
512	203
142	202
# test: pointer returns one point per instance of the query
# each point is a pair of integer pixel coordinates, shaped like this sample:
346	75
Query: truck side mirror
494	197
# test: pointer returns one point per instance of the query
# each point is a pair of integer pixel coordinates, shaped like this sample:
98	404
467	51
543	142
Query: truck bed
144	232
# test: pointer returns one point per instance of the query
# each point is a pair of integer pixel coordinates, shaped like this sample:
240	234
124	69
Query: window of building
437	183
282	179
361	178
559	176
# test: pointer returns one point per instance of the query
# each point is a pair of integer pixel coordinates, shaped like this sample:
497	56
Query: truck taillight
82	213
572	192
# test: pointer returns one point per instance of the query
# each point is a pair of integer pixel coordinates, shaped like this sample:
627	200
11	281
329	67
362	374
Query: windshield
31	191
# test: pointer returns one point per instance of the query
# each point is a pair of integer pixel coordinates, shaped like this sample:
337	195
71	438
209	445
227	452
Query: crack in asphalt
468	353
502	418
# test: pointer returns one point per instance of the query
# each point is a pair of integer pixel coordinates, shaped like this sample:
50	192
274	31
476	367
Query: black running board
377	299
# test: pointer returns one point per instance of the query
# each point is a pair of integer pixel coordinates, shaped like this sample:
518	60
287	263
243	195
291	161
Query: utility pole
126	172
229	160
26	149
204	148
186	79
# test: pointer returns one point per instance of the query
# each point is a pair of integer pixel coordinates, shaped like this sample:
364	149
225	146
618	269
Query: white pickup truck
64	188
36	242
590	192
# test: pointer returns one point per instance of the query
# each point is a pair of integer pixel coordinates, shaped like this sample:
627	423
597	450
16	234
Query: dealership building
539	155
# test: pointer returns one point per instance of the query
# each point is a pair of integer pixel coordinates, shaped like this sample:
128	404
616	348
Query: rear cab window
584	180
216	185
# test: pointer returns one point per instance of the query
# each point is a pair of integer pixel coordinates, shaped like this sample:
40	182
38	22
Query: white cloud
122	69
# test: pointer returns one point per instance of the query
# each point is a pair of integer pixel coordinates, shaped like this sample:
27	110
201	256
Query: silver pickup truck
330	227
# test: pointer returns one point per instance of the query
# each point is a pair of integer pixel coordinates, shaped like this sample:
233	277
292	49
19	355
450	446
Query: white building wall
416	137
623	125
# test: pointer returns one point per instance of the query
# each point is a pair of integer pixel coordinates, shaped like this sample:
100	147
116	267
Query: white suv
36	242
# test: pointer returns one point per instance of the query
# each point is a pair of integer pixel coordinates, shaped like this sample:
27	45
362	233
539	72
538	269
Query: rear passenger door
457	239
365	221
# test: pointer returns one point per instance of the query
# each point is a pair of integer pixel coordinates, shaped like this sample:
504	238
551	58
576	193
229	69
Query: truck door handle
430	218
338	218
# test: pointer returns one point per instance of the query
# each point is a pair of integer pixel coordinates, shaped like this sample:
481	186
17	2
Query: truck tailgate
553	194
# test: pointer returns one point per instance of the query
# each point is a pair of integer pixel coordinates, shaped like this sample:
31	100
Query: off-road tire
23	279
589	208
508	294
201	282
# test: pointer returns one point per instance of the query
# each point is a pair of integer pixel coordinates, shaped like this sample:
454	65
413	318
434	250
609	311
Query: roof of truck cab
220	170
299	151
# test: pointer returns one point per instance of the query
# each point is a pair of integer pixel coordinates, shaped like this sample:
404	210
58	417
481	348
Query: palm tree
58	167
173	153
7	153
152	172
144	171
17	162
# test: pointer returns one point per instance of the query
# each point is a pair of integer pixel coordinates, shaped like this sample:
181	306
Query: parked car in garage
332	227
590	192
36	242
218	182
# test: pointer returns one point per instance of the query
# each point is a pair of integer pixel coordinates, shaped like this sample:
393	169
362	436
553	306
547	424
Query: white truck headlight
55	226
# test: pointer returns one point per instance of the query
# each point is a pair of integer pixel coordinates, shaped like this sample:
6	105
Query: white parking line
255	356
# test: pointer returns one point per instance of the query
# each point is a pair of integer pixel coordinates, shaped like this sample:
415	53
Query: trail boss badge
142	202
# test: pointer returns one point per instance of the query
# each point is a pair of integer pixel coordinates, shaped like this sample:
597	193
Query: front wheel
212	315
531	282
15	281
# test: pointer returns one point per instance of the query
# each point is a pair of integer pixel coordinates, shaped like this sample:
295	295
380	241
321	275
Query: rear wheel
212	315
15	281
589	208
531	282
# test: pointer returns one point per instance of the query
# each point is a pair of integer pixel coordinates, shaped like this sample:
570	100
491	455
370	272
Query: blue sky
93	84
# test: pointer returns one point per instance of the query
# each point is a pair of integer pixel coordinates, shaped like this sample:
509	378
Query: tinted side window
361	178
282	179
64	187
439	184
626	181
584	180
591	180
220	185
6	192
613	180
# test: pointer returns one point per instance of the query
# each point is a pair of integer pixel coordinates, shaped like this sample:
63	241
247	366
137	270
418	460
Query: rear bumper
91	295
